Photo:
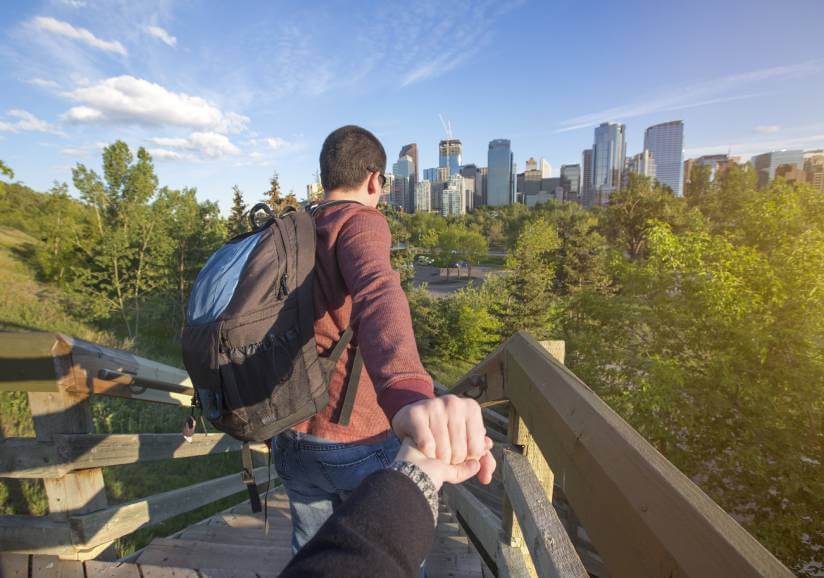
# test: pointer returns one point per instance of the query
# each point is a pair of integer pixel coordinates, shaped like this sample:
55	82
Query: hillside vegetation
29	303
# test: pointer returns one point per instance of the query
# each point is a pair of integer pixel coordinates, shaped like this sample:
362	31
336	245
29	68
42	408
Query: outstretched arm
386	527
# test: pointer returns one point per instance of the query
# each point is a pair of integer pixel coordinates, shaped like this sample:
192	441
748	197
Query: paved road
440	287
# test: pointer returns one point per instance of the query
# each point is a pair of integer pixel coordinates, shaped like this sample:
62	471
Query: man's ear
373	185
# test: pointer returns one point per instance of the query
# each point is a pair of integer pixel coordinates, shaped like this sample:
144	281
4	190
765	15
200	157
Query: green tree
473	246
6	171
699	185
529	302
238	222
193	231
291	200
123	256
272	195
634	210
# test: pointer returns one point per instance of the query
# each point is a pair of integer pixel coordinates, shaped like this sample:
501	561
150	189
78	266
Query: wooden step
278	535
269	560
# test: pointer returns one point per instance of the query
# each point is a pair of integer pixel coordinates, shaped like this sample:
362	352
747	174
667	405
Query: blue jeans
319	474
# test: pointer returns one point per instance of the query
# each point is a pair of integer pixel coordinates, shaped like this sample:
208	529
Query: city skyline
223	97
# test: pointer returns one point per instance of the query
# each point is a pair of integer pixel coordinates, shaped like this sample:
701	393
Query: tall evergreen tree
272	195
237	223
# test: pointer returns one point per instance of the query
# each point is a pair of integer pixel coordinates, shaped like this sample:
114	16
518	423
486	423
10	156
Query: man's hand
449	429
438	471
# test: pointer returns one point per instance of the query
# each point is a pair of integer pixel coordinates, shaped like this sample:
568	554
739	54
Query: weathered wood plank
29	458
26	362
543	533
106	371
512	563
36	534
116	521
54	567
111	569
644	516
116	449
14	566
483	524
60	412
519	436
193	554
151	571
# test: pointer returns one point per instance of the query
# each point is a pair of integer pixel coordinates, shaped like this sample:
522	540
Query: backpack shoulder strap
354	375
316	208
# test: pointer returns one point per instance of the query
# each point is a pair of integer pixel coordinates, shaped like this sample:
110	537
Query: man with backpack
323	459
300	329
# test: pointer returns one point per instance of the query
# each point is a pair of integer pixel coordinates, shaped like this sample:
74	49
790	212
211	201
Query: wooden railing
642	515
59	375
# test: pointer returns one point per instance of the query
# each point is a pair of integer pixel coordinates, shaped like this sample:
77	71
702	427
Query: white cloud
211	145
43	83
74	3
276	143
694	95
49	24
167	155
766	129
26	122
126	99
161	34
436	41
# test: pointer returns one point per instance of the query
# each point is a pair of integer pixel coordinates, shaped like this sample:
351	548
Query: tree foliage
700	320
238	222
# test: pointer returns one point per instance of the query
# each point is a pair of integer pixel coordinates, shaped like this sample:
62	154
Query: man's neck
338	195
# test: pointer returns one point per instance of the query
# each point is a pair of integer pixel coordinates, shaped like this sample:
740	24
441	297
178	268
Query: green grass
27	304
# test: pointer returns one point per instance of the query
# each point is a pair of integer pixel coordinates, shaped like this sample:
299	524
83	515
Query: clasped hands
446	438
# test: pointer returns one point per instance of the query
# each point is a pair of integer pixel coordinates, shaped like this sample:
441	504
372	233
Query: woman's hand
440	471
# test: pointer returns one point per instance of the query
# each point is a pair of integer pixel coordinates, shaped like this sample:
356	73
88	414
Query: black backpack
249	339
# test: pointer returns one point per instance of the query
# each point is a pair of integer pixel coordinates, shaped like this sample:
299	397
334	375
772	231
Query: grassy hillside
26	304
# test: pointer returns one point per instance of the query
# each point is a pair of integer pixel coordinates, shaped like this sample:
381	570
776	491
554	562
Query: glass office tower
449	155
666	143
608	156
500	180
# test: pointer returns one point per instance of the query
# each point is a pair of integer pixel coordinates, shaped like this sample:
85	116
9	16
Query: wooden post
67	412
518	435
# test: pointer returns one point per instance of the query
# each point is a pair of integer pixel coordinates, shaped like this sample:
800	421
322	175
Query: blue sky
225	93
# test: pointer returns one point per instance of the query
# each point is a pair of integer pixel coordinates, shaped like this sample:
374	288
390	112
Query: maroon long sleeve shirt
355	284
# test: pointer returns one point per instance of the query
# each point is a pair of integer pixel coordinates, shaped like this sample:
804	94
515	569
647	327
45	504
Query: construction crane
447	126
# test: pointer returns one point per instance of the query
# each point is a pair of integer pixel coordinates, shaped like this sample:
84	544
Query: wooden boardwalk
610	505
233	544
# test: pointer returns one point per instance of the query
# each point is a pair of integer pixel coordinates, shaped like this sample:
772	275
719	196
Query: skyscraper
642	164
586	179
423	197
571	182
431	175
470	173
666	143
403	194
546	169
411	151
500	181
449	155
766	164
608	154
453	197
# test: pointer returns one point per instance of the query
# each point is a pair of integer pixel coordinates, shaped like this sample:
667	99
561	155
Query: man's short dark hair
348	155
